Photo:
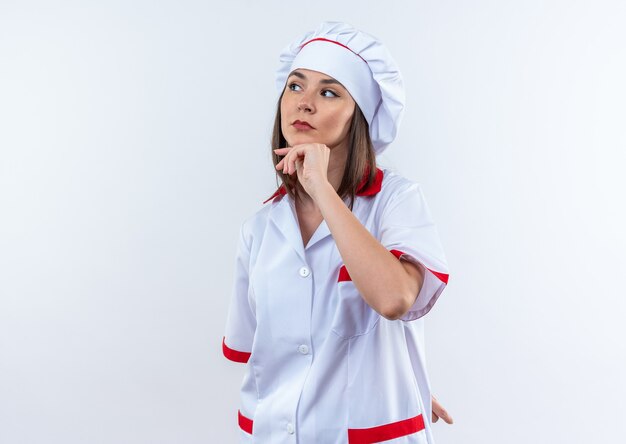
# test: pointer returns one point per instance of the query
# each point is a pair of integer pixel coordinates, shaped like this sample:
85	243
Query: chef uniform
322	366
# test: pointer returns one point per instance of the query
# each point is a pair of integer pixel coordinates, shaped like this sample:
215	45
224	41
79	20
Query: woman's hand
440	412
309	161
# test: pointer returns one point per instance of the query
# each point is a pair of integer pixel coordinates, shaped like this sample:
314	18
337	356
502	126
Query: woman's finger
282	152
298	161
293	156
289	160
441	412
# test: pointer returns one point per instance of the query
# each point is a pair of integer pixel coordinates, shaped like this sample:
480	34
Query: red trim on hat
386	432
345	276
245	423
234	355
331	41
373	189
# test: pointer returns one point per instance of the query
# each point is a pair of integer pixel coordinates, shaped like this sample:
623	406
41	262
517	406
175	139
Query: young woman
336	271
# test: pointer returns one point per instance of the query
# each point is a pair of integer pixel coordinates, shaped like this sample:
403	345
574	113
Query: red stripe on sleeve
245	423
345	276
397	253
443	277
234	355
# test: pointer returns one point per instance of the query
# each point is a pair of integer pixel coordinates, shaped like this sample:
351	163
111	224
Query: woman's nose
305	103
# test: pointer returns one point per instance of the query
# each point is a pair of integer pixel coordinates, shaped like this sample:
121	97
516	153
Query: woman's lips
302	126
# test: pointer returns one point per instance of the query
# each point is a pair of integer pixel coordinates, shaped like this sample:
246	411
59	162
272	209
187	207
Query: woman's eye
293	86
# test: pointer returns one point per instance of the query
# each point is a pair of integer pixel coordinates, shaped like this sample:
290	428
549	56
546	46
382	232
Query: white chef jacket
322	366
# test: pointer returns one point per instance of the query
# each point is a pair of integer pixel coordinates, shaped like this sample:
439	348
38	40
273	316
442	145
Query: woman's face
320	101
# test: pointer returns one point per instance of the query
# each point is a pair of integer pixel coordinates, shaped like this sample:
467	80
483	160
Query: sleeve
408	231
241	319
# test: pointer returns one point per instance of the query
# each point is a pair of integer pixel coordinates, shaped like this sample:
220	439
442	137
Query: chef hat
362	64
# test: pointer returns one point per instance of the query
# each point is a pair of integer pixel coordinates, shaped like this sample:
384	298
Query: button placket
303	349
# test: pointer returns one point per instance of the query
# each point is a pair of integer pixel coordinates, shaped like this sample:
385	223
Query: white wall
134	141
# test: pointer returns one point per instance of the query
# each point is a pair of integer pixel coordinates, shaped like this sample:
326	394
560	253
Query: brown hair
361	157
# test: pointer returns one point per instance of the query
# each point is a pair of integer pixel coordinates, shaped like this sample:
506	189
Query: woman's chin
299	137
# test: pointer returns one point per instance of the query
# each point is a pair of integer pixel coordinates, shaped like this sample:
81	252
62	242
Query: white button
303	349
304	272
290	428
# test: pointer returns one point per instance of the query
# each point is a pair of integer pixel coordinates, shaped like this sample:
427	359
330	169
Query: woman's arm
387	284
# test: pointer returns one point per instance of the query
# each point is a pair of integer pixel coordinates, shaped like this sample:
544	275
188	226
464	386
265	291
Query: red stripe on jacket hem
387	431
234	355
245	423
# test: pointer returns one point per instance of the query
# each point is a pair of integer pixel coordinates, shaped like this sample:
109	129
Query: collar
373	189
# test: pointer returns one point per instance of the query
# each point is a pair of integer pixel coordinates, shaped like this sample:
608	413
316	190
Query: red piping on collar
370	191
279	192
374	188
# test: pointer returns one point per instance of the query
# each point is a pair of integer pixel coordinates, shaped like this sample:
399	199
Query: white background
134	139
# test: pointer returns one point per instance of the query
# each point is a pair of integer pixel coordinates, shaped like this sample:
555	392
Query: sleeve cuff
234	355
434	283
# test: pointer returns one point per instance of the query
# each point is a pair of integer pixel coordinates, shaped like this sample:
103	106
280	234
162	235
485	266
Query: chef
337	269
